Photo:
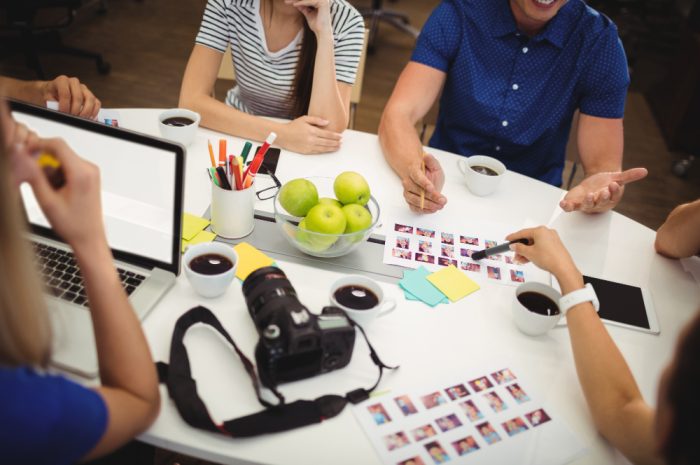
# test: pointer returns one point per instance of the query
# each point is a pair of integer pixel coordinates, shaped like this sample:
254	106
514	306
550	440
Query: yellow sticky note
192	225
202	236
453	283
249	260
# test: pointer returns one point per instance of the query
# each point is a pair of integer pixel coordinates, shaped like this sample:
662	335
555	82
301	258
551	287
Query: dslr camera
294	343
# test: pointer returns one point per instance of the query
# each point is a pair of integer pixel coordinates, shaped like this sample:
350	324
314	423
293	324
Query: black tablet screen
620	302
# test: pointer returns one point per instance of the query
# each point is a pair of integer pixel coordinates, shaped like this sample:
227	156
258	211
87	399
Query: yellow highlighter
52	169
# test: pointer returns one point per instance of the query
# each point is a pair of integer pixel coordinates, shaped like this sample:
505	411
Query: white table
427	344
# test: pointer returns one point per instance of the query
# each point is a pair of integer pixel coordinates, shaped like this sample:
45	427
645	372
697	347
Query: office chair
33	38
227	73
376	14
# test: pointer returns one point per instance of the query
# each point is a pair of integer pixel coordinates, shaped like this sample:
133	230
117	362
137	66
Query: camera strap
282	416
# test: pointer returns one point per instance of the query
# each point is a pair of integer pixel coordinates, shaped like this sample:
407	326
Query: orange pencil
211	154
222	153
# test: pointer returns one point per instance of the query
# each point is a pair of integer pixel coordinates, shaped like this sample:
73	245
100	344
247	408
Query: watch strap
585	294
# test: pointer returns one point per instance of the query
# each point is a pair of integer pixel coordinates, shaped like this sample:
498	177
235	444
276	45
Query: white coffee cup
532	323
479	183
210	285
363	317
182	134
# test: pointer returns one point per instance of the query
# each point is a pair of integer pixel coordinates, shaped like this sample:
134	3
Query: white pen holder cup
232	212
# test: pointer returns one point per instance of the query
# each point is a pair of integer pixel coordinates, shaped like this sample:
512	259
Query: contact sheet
488	417
411	245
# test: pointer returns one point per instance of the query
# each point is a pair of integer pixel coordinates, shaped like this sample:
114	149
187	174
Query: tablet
625	305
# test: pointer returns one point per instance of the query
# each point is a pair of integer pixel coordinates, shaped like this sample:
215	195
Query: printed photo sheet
486	417
411	245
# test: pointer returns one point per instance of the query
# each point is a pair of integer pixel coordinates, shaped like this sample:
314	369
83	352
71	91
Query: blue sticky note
415	283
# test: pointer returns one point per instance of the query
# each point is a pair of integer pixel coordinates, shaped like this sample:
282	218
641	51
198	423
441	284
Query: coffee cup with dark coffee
361	298
210	267
536	308
482	174
179	125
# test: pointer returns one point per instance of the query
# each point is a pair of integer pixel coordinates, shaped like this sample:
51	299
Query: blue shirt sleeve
604	83
439	40
46	419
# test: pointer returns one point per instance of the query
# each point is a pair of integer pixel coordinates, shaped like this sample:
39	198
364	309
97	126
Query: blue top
513	97
47	419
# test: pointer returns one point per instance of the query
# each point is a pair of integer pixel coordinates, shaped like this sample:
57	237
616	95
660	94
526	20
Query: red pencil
252	170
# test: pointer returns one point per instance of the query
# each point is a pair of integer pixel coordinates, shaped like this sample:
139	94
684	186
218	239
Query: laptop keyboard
62	275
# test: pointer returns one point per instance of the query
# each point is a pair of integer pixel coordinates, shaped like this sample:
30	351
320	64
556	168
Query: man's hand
430	183
72	96
600	192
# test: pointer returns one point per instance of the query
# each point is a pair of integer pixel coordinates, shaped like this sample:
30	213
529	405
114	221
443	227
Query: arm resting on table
679	236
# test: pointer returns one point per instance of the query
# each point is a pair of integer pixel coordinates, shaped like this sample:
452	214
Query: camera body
294	343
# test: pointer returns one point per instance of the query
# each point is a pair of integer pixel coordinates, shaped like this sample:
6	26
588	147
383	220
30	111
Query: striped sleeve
213	32
349	33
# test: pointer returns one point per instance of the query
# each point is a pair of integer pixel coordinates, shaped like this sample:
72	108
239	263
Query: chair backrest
226	71
356	94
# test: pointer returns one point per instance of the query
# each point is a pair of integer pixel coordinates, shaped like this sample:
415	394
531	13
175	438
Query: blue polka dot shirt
513	97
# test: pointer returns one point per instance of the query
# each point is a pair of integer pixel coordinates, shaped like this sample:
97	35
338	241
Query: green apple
298	196
325	219
311	241
303	234
358	218
351	187
328	200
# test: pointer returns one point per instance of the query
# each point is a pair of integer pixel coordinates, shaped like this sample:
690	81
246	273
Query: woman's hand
74	210
306	135
316	12
546	251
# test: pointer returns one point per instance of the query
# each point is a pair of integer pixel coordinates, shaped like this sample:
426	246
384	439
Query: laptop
142	179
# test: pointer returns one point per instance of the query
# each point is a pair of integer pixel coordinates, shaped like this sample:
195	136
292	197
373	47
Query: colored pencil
422	190
211	154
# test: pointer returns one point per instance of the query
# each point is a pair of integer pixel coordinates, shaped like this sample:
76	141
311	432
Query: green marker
246	150
214	176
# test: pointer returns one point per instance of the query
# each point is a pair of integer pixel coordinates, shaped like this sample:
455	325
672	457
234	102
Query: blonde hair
25	332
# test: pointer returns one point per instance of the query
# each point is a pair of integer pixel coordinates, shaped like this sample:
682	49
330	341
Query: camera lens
266	291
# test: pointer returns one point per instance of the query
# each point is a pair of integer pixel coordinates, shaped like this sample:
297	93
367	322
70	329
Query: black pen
498	249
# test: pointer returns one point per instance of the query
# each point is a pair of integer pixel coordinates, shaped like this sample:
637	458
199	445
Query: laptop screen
141	180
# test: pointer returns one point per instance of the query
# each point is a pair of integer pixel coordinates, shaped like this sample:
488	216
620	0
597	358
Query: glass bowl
319	244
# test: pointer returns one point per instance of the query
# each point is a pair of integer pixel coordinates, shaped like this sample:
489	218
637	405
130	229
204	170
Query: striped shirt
264	79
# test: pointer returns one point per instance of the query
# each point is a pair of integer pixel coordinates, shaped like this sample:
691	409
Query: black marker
498	249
